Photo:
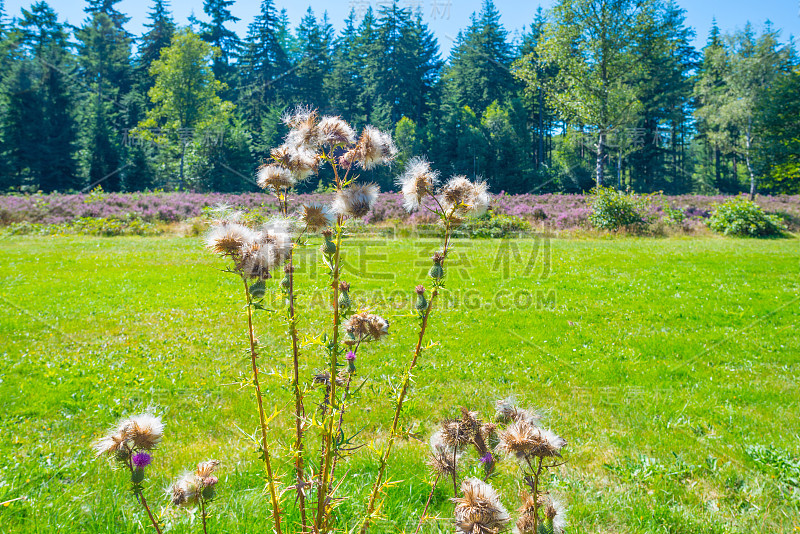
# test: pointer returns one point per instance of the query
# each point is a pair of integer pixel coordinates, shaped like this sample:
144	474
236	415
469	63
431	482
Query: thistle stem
299	408
203	512
327	438
428	503
143	501
276	514
455	471
401	398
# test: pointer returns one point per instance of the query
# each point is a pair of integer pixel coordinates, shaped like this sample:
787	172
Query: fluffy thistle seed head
506	411
272	246
442	459
274	177
374	148
185	490
479	510
524	440
417	181
465	197
207	468
303	128
300	160
139	432
228	238
316	216
356	200
365	327
334	131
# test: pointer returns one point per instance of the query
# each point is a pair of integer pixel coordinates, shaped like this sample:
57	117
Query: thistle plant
519	438
197	488
325	365
130	443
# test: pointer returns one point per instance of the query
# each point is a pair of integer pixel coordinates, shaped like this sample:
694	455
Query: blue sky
447	17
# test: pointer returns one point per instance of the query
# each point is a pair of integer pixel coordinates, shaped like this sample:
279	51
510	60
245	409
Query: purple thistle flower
487	458
351	356
141	460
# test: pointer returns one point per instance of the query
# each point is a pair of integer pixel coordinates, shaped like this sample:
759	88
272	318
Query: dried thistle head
417	181
555	512
299	159
271	247
334	131
344	286
303	128
228	238
479	510
506	411
144	430
355	200
186	490
316	216
275	178
524	441
374	148
207	468
438	258
443	459
456	434
463	197
365	326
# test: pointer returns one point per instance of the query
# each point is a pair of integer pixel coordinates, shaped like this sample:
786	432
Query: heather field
669	365
553	211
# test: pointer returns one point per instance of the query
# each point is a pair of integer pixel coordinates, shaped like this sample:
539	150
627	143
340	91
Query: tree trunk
716	164
748	144
601	155
540	158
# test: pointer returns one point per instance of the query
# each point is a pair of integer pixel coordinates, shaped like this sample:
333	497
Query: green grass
665	363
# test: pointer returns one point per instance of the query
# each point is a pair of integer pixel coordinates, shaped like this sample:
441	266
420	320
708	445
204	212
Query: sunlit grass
661	362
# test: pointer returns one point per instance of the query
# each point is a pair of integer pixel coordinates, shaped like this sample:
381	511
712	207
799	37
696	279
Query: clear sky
446	17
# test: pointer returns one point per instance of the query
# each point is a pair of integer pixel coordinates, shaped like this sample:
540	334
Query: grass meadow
669	365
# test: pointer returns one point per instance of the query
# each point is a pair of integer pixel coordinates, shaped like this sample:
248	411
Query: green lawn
664	362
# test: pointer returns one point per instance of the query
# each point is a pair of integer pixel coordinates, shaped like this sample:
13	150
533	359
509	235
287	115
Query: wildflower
140	460
524	440
506	411
479	510
228	238
416	182
275	177
437	271
356	200
464	197
143	431
486	458
334	131
422	304
204	469
316	216
328	247
351	356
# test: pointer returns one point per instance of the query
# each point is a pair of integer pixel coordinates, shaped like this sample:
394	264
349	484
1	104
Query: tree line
608	92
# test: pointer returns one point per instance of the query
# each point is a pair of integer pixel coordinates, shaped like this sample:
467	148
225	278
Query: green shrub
613	210
741	217
491	224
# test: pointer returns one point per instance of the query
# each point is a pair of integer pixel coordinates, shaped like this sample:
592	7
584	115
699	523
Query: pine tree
479	70
314	60
104	56
346	82
39	127
216	33
106	7
161	28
